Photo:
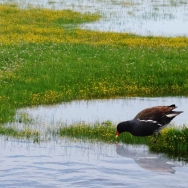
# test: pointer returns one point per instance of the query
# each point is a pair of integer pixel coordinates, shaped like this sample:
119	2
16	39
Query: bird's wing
154	113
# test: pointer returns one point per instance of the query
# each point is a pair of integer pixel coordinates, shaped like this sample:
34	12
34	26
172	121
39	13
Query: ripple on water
81	164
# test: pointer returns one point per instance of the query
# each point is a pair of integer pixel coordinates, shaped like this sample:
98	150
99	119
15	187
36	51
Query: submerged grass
22	134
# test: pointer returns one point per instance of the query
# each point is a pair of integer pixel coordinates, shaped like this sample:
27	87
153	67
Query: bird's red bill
117	133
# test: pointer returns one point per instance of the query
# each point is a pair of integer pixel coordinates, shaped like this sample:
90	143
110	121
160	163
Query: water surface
74	163
92	111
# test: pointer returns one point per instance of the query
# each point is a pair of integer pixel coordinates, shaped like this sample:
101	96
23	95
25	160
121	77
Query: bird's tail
173	114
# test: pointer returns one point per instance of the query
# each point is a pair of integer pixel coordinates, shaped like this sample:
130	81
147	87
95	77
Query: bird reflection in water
147	160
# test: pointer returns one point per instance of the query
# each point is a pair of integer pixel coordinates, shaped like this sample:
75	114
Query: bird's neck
127	126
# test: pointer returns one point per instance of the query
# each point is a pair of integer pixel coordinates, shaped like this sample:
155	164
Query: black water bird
149	121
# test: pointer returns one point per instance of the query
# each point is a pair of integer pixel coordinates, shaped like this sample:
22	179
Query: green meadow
46	59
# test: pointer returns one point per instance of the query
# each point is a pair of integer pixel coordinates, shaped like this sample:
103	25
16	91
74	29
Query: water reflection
147	160
91	111
72	163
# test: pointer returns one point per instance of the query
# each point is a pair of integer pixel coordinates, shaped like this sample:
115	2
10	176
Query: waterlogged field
157	18
46	58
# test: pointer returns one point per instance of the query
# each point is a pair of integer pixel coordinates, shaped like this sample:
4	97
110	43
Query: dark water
82	164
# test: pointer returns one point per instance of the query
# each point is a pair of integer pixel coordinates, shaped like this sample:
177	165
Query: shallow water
82	164
93	111
74	163
143	17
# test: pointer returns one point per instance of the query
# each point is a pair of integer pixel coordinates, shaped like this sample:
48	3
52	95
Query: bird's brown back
154	113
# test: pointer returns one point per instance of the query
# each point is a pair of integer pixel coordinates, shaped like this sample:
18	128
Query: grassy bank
173	141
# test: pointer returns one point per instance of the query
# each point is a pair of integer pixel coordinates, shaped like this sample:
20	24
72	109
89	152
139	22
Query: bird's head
123	127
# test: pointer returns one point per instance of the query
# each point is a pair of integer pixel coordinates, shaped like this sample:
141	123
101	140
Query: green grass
100	132
8	131
20	134
173	141
34	74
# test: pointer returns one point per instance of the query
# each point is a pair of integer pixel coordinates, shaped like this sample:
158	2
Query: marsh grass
8	131
173	141
100	132
20	134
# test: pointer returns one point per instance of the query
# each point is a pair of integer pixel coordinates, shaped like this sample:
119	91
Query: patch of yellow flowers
43	25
